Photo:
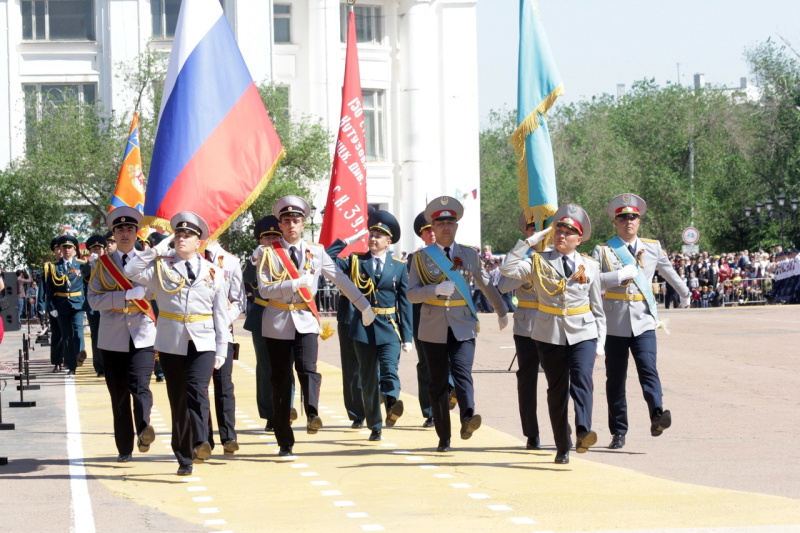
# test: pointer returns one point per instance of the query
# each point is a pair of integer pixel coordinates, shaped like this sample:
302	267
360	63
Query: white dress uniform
193	326
222	378
125	341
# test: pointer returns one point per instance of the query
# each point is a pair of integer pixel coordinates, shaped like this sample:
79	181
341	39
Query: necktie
124	260
378	269
293	253
190	272
630	249
567	269
447	252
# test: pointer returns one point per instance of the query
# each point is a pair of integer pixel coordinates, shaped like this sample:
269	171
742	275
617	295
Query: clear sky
600	43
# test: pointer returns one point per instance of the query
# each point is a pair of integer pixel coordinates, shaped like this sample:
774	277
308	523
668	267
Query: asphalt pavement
726	464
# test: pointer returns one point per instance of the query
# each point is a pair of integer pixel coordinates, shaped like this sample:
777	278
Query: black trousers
303	351
128	380
454	357
527	380
568	370
187	378
351	379
56	353
94	327
643	348
224	401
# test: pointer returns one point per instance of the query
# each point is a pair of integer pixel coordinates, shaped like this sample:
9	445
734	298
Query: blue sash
445	265
621	250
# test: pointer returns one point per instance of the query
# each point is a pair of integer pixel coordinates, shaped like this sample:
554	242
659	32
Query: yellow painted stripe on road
339	481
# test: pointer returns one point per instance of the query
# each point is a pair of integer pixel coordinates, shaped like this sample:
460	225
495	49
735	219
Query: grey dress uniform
125	341
222	378
292	330
448	331
193	326
568	326
631	327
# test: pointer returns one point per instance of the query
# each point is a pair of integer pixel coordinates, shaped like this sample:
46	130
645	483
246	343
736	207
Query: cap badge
444	200
572	208
183	224
626	198
568	220
122	219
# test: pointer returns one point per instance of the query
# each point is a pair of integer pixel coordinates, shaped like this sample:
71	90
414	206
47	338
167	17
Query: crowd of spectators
736	278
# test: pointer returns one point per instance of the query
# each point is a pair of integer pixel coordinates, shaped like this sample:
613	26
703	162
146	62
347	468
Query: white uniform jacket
629	317
229	263
275	285
561	328
166	276
434	320
120	319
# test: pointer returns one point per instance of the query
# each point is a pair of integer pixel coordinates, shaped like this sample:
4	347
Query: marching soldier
288	276
383	279
628	263
65	291
96	244
527	354
126	336
193	329
439	280
265	231
224	399
570	328
56	349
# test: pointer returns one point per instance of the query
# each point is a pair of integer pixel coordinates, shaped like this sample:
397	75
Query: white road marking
80	503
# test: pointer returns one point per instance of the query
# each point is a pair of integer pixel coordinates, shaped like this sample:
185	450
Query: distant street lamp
313	225
769	205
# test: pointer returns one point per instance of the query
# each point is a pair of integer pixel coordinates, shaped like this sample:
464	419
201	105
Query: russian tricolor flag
215	147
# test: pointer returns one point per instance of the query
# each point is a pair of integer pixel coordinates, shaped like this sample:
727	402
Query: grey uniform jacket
229	263
283	323
524	317
626	318
206	296
435	320
561	329
117	328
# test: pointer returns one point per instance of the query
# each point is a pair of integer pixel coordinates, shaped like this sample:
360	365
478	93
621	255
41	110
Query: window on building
164	17
374	124
40	97
57	20
282	23
369	23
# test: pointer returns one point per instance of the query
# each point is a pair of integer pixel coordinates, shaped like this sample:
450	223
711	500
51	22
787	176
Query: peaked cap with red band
444	207
573	216
625	204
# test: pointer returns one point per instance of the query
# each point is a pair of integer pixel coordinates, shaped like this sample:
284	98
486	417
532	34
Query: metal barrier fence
327	299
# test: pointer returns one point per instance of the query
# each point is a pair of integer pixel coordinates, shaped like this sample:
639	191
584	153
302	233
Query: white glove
54	313
255	258
219	360
538	237
686	301
163	247
367	317
627	272
601	350
136	293
445	288
306	281
92	258
407	346
502	321
355	238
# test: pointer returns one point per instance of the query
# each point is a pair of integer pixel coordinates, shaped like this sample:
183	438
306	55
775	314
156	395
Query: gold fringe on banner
161	223
539	213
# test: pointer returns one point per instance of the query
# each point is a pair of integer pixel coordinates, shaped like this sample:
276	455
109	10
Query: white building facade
418	63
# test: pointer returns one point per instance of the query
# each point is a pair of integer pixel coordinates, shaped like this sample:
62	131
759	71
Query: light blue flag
538	86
